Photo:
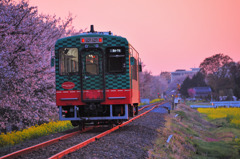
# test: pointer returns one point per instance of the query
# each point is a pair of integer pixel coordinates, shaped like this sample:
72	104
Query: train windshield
116	60
92	66
68	61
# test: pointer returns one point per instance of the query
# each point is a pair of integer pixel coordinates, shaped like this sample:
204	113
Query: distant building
183	73
202	91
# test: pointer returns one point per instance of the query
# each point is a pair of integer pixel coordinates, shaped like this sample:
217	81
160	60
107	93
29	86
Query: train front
94	79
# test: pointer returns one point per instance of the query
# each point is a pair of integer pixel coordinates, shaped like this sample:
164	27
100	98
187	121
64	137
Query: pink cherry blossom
27	86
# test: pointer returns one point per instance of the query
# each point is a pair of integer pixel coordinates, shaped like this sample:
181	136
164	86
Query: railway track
58	151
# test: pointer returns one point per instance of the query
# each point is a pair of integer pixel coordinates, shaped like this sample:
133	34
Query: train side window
92	66
68	61
116	60
134	69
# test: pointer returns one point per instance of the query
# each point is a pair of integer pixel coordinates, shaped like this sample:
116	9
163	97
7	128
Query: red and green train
97	78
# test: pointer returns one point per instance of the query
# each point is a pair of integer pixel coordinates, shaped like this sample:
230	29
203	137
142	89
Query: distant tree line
219	72
223	75
198	80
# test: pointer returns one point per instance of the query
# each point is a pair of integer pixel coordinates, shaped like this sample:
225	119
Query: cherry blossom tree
27	89
145	81
151	86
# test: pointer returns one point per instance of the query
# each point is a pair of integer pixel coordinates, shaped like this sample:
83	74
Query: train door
92	76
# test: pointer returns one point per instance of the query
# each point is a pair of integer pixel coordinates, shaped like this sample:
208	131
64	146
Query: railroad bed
131	141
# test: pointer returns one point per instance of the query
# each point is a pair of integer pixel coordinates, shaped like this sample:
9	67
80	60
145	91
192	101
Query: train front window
92	65
68	61
116	59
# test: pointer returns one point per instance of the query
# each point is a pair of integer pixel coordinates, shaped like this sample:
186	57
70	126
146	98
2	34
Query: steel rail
43	144
55	140
148	106
93	139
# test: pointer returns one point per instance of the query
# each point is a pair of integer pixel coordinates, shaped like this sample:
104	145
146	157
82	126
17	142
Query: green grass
216	150
196	136
182	114
227	147
235	131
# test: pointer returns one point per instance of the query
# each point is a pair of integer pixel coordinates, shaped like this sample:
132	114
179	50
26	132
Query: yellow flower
233	114
15	137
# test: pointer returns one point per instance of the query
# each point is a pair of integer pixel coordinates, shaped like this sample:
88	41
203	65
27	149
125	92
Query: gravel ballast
131	141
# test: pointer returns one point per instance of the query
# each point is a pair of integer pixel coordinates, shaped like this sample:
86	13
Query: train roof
93	33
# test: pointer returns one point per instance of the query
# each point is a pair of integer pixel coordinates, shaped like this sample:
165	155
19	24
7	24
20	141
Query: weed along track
58	148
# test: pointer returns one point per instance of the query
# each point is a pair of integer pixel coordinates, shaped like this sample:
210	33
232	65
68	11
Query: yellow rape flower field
15	137
231	114
157	100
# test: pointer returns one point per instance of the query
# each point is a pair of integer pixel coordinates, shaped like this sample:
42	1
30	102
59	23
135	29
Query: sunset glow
168	34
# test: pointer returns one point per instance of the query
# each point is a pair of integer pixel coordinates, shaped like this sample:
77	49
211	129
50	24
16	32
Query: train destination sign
115	50
91	40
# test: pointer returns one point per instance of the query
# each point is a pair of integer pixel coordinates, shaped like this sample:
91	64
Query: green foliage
185	86
213	63
216	150
16	137
198	80
182	114
223	75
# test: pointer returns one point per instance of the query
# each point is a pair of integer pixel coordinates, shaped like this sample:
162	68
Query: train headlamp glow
91	40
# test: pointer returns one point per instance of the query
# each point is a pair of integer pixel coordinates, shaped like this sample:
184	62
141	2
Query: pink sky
168	34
